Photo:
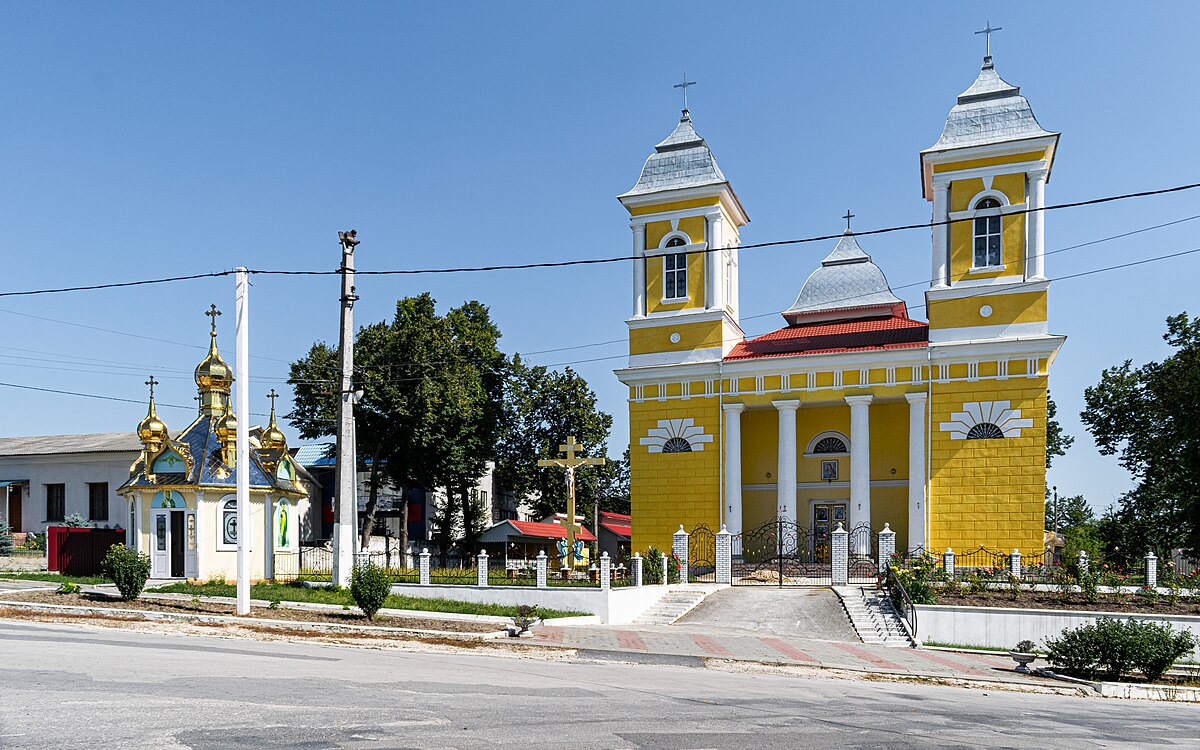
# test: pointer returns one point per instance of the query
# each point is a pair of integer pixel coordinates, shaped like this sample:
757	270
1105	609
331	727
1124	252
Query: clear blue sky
156	139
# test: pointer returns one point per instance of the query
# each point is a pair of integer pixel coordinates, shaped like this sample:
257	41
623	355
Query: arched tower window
985	431
675	271
987	234
830	445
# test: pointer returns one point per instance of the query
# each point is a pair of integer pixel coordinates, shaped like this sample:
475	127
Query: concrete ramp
764	610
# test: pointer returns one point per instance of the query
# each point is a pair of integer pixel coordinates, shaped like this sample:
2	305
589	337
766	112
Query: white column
715	262
1035	251
860	460
639	270
916	469
786	465
268	529
201	541
241	367
941	235
733	467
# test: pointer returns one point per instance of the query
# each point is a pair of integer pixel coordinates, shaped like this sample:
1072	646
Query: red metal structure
78	551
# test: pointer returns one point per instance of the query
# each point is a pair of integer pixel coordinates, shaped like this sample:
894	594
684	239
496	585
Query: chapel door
177	543
159	544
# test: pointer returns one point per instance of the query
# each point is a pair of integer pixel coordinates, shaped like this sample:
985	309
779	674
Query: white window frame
221	511
987	213
670	254
810	451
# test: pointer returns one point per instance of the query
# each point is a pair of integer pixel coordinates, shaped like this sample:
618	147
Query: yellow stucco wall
962	233
961	312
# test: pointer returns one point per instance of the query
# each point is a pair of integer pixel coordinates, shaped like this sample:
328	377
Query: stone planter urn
1023	660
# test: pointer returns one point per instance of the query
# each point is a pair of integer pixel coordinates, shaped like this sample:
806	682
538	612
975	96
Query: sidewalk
647	643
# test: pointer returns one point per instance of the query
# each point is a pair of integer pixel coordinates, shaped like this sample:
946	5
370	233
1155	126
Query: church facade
181	491
854	411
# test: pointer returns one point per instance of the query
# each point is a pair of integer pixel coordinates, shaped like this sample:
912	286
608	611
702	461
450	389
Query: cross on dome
272	395
848	217
151	382
213	312
683	85
987	31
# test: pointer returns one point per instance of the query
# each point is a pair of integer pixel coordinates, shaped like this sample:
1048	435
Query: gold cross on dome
213	312
272	395
987	31
151	382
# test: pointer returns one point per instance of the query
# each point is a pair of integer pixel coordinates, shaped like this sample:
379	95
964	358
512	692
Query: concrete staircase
678	601
873	617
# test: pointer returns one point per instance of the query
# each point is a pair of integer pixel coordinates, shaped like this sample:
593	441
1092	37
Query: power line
593	261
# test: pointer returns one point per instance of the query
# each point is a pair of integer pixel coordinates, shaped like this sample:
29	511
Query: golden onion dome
213	373
152	429
227	427
272	437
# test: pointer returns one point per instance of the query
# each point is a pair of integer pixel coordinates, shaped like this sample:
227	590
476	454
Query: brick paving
638	642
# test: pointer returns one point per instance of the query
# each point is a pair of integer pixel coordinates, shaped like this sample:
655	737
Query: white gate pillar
840	556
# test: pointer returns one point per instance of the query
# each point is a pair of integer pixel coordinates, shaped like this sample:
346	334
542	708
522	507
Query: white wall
75	471
997	627
614	606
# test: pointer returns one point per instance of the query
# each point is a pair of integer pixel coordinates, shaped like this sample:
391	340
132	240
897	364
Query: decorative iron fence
863	554
982	558
702	554
782	553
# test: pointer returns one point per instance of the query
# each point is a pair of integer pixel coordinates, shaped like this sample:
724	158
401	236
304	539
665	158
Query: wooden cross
213	312
683	85
571	463
848	217
151	382
987	32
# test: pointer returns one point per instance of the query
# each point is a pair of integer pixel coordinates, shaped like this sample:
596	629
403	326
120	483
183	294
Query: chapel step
873	617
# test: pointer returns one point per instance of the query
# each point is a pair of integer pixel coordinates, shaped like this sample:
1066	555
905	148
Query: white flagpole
242	378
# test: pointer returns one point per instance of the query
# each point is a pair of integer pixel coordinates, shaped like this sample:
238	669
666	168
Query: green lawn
291	592
30	575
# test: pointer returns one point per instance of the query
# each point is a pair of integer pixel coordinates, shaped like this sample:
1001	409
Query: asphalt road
74	686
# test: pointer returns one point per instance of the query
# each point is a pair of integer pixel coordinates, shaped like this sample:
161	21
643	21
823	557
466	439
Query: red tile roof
619	529
621	518
892	332
549	530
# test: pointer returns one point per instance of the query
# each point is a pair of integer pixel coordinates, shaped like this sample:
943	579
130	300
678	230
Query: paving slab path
769	610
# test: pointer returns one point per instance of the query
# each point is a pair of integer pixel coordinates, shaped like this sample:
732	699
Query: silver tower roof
847	282
682	160
990	111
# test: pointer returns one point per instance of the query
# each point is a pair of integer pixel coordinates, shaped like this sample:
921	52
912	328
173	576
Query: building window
987	234
830	445
985	431
229	529
675	271
98	501
56	502
677	445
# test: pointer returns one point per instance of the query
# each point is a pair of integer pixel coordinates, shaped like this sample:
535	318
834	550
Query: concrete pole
242	436
347	473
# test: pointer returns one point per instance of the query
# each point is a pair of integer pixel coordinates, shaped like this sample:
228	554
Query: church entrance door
159	536
177	543
826	517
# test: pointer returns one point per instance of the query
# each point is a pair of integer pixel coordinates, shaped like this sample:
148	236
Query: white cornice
976	287
987	333
984	151
722	190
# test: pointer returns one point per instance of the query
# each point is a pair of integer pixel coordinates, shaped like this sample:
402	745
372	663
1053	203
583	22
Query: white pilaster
1035	251
860	460
916	469
786	464
639	270
269	530
715	262
201	530
733	467
941	233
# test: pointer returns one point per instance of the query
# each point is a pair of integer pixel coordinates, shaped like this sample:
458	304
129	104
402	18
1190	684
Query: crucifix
571	463
683	85
848	217
987	32
213	312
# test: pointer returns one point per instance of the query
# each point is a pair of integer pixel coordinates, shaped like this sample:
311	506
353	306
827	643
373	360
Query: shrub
35	541
1112	648
68	587
370	586
1014	587
1064	584
527	614
127	569
1148	594
6	543
1089	587
652	570
75	521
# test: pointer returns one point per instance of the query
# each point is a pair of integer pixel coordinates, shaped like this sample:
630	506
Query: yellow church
852	412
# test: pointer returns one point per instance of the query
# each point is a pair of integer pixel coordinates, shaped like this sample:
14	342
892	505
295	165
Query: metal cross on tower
272	395
151	382
848	217
987	32
571	463
683	85
213	312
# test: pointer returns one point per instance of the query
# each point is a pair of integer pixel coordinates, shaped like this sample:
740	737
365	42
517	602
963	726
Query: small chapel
854	411
181	488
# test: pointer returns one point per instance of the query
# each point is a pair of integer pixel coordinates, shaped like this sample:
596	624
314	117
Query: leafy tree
1078	525
1057	441
1150	417
542	408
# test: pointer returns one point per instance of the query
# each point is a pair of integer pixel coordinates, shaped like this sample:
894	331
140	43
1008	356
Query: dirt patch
345	617
1121	603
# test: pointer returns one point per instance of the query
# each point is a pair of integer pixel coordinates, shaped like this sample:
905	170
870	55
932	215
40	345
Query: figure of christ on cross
570	463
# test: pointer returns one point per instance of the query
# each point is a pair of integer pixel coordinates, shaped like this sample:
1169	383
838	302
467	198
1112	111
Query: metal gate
702	555
783	553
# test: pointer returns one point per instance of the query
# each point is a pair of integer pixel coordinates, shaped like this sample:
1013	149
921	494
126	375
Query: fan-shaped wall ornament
676	436
985	420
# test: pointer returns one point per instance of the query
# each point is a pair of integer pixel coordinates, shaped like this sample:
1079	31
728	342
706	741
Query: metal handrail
903	603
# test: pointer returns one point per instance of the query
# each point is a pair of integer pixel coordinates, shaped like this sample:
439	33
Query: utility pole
344	532
242	438
1055	488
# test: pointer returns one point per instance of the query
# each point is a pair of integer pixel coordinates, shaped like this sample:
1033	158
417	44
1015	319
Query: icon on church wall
839	513
191	531
829	471
822	512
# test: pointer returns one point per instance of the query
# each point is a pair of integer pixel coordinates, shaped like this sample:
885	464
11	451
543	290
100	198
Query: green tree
6	542
1057	441
1078	525
542	408
1150	417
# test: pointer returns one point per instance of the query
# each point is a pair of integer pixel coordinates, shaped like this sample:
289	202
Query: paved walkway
657	644
767	610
